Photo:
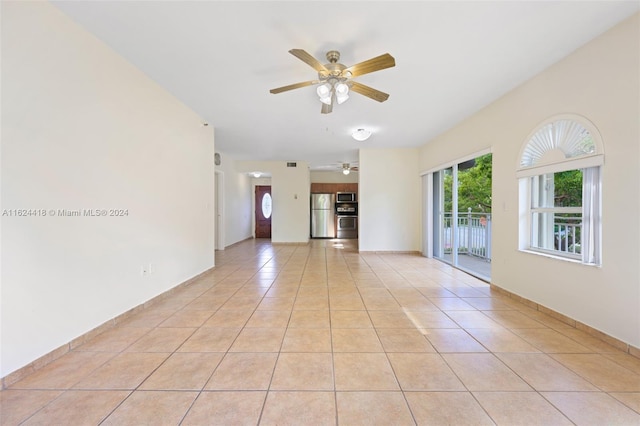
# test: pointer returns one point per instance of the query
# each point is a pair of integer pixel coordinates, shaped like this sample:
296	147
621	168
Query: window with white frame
559	178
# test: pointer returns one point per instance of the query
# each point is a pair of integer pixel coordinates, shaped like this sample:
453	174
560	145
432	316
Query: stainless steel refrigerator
323	216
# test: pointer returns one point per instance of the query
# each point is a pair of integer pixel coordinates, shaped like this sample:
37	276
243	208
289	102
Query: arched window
559	172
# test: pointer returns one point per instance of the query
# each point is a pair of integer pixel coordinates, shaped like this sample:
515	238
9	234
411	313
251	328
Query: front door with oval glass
263	211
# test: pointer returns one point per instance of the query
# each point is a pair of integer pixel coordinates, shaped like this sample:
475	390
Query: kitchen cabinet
332	188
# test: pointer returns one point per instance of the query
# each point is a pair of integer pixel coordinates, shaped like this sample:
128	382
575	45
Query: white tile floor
316	334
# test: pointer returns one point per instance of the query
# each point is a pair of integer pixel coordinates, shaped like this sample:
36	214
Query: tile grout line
275	365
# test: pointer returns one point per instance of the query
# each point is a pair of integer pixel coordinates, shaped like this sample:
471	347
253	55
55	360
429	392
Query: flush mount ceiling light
256	174
361	135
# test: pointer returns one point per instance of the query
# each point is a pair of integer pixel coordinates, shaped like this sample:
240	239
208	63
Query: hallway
320	334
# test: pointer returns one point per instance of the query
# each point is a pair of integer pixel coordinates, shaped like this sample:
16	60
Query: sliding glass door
443	214
462	215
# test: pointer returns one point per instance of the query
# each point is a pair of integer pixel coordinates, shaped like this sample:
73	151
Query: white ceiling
452	58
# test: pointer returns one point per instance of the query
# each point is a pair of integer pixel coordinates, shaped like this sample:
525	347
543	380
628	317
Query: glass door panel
443	214
474	215
462	215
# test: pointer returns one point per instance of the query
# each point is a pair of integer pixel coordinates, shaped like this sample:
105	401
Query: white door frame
219	210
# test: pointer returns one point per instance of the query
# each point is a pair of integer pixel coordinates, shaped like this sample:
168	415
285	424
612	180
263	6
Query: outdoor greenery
568	188
474	195
567	193
474	187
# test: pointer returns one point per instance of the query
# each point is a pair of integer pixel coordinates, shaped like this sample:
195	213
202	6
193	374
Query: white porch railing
567	232
474	234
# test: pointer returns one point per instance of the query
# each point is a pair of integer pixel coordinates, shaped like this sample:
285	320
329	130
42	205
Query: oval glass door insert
266	205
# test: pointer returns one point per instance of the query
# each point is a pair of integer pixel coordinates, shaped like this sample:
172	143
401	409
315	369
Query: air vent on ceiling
291	164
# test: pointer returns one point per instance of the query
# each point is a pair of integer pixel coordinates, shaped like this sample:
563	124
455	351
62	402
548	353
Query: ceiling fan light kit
348	168
325	91
335	79
342	92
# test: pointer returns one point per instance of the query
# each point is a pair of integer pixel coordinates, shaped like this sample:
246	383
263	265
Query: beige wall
290	191
237	198
389	206
84	129
600	82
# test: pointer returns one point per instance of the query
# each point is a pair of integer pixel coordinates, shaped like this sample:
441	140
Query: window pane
542	191
555	223
567	232
561	189
560	232
567	188
542	230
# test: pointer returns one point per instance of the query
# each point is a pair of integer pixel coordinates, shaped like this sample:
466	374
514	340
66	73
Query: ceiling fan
347	168
335	79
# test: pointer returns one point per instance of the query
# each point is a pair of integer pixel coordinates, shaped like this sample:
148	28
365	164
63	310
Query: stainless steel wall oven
347	226
347	220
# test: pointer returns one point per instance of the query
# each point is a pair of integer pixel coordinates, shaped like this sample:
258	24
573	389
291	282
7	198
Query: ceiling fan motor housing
335	70
333	56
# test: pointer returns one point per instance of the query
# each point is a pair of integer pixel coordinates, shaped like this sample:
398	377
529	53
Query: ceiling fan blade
369	92
326	109
294	86
374	64
310	60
